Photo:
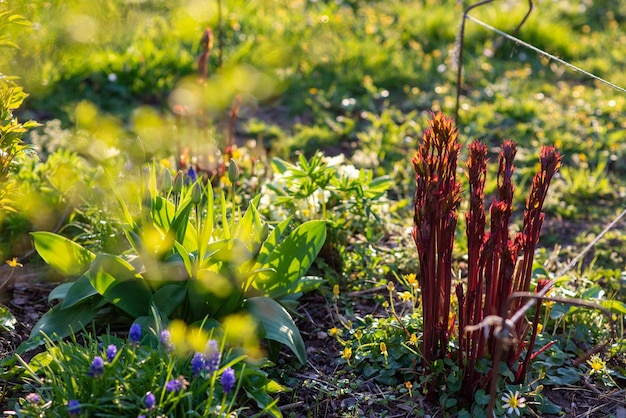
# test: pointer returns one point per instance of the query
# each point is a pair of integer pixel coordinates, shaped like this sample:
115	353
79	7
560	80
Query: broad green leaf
250	229
232	251
169	297
60	291
81	290
272	240
180	223
65	256
60	323
277	324
184	255
204	302
291	260
118	282
168	218
7	320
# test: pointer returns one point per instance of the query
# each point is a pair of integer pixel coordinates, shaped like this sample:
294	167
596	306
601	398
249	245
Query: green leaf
60	323
271	242
118	282
65	256
169	297
614	306
81	290
60	292
291	260
277	324
250	229
7	320
168	218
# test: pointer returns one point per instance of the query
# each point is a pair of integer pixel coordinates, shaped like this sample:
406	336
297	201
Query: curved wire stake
460	44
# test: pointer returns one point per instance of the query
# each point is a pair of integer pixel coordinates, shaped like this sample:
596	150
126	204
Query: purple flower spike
166	340
228	380
174	385
73	408
150	400
212	356
135	333
197	363
111	352
97	367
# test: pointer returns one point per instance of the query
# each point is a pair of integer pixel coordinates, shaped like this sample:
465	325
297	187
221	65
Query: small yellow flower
334	331
539	328
336	291
383	348
412	280
358	334
349	324
514	402
347	353
385	304
391	286
405	297
413	339
312	91
13	263
409	386
597	365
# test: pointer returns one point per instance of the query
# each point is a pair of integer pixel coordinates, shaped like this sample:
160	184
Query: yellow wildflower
391	286
334	331
383	348
405	297
347	353
597	365
413	339
409	386
13	263
336	291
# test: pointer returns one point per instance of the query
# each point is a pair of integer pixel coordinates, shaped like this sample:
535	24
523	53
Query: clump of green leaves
12	130
192	256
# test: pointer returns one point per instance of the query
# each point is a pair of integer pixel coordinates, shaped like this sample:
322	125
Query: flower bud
166	181
196	193
178	183
233	171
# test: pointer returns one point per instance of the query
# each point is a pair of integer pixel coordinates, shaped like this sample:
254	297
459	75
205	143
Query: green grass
358	77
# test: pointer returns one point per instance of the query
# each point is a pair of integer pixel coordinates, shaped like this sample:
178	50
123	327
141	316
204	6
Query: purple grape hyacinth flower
212	356
197	363
33	398
166	339
111	352
150	400
73	408
135	333
228	380
97	367
174	385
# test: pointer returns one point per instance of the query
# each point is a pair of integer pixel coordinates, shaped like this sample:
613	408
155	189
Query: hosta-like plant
193	256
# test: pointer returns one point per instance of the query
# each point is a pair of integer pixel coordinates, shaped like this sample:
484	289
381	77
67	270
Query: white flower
513	402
